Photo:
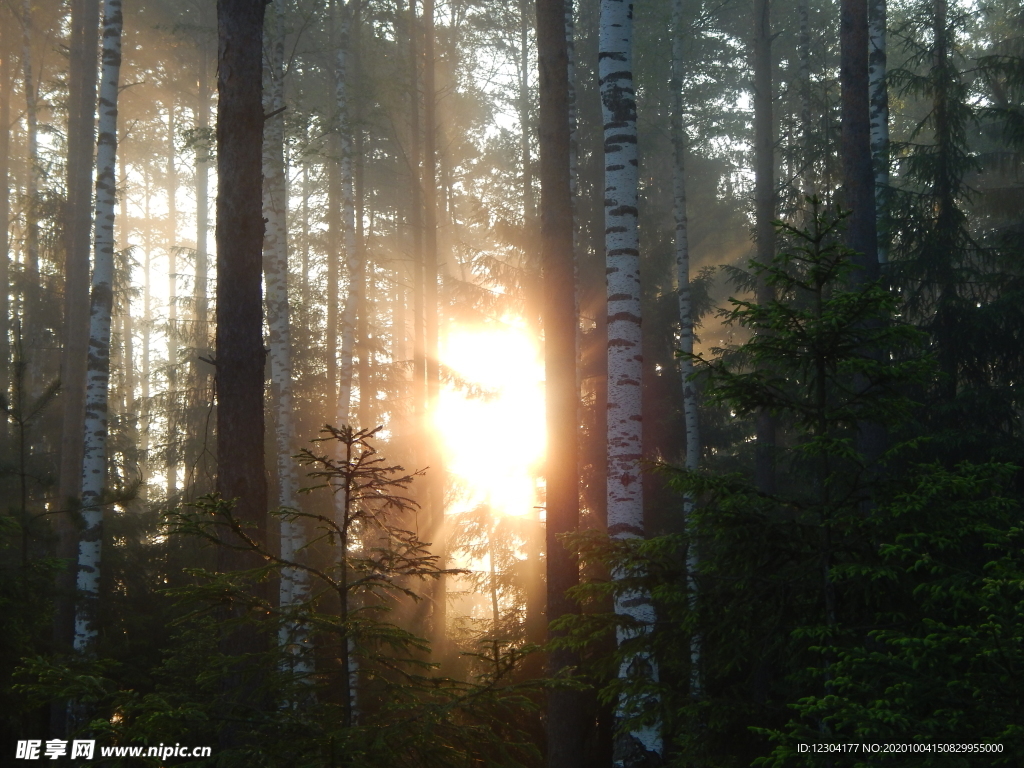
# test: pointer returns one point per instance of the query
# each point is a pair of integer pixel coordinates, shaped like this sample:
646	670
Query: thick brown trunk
565	710
241	474
764	212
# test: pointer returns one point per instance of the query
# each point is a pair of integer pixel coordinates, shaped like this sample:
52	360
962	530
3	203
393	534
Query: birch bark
94	462
294	582
625	358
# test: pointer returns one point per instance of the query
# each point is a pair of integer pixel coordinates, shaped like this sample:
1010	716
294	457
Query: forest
480	384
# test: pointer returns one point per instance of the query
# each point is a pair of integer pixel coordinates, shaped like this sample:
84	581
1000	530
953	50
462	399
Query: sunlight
493	441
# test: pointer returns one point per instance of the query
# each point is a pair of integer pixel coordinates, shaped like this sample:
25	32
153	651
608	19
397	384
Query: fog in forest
465	383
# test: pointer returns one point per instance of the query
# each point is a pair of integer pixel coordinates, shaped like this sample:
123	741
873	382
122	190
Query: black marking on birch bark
635	602
623	252
624	210
620	528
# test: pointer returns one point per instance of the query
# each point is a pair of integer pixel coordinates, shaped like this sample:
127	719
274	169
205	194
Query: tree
94	455
879	117
294	583
240	355
686	320
764	205
625	355
565	707
857	161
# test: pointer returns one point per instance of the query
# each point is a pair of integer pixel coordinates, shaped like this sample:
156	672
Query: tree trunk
431	324
6	86
197	459
879	118
78	223
855	144
31	283
764	212
682	248
241	474
94	461
625	354
353	265
294	585
171	181
565	719
806	126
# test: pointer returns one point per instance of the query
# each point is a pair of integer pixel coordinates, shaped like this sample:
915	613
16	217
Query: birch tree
294	582
625	359
94	461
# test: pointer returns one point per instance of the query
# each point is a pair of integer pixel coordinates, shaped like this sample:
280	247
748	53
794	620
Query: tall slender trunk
764	212
294	582
682	248
171	181
855	140
145	404
364	344
6	85
625	353
879	118
565	710
200	395
32	287
431	326
804	76
94	461
81	142
524	110
353	266
419	371
239	347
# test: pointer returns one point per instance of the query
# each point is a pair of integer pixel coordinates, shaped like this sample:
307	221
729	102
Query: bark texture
764	212
855	142
94	461
625	354
879	117
682	249
565	719
294	584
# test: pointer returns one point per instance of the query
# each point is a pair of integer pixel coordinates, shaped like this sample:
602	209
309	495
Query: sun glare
491	417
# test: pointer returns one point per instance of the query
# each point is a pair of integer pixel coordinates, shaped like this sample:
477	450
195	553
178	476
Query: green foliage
368	695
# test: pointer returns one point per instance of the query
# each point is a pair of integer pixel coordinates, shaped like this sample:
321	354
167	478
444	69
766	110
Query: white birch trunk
879	118
682	248
294	582
625	359
94	463
352	262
